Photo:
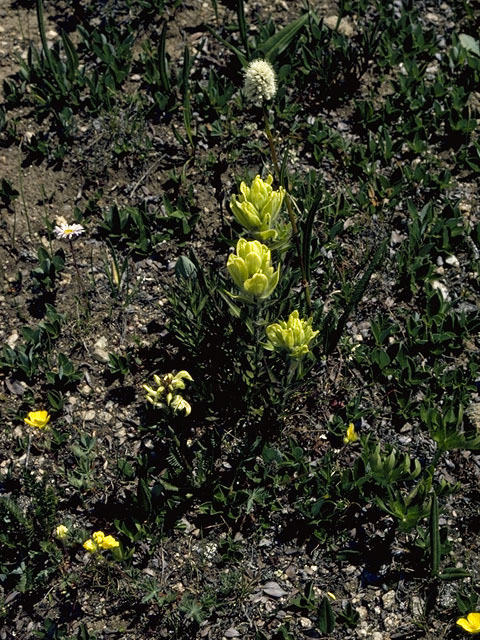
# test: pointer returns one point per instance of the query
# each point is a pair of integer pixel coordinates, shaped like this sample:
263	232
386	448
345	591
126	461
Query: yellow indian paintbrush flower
178	403
293	336
38	419
251	269
471	623
165	394
351	435
257	207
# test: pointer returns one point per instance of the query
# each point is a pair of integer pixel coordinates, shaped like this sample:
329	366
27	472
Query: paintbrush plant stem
291	213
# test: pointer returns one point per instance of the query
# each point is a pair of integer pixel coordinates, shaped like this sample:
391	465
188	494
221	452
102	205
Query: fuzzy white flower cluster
260	82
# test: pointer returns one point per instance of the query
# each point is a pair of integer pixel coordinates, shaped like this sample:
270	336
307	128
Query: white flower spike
260	82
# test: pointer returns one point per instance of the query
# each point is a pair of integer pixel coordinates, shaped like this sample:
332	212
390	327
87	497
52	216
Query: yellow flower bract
166	393
252	271
293	336
257	207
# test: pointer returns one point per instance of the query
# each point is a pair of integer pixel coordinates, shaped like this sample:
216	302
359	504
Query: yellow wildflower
166	392
293	336
109	542
351	435
98	537
61	532
251	269
38	419
471	623
89	545
257	207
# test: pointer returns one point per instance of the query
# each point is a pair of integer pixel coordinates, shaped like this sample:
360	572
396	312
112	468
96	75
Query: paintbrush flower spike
292	336
257	207
252	271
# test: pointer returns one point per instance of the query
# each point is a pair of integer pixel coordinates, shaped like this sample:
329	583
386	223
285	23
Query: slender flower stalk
291	213
69	232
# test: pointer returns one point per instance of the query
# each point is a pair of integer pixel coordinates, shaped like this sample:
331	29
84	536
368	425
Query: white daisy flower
67	231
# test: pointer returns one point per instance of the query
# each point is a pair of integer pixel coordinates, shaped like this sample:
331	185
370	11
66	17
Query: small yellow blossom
61	532
98	537
351	435
89	545
109	542
331	595
471	623
38	419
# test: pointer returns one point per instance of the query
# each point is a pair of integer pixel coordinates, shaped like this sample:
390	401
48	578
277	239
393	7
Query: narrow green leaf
277	43
162	58
72	57
331	338
454	573
241	57
434	536
308	229
242	26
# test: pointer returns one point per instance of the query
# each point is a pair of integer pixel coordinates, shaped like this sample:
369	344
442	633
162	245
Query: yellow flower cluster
38	419
100	541
165	394
252	271
292	336
61	532
257	207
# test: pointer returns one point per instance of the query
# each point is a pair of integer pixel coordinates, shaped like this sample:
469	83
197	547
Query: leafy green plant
7	193
50	265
